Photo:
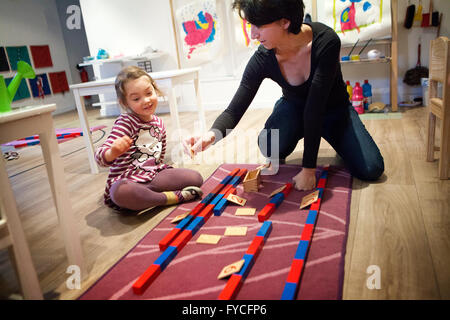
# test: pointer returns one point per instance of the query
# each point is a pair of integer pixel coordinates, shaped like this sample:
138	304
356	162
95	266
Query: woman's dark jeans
343	130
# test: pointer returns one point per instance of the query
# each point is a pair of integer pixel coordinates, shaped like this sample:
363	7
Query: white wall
128	26
30	22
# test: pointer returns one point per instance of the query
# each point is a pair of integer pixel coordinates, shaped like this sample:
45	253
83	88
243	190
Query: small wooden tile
231	268
245	212
235	231
277	191
179	217
208	239
309	199
236	199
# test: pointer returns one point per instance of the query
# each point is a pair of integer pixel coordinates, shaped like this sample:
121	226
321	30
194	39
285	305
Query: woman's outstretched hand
305	179
195	144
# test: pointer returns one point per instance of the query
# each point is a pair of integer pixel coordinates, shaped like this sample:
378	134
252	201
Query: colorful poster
40	86
356	19
58	80
199	30
16	54
41	56
243	33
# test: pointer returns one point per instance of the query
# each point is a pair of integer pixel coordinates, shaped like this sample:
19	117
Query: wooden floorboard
400	223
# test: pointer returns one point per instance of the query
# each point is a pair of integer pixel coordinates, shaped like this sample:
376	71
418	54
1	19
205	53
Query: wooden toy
235	282
308	199
252	181
209	239
231	268
245	212
274	202
298	263
179	236
235	231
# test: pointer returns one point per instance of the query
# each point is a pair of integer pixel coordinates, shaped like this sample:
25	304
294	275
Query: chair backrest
440	66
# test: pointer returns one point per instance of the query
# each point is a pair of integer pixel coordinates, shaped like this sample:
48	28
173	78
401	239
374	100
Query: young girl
138	179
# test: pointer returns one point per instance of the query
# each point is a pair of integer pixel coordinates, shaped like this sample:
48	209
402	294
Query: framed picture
198	31
356	19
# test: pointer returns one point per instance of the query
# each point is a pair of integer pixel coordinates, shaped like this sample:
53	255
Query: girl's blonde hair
131	73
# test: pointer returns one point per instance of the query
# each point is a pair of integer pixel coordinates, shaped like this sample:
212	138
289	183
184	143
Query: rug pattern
192	274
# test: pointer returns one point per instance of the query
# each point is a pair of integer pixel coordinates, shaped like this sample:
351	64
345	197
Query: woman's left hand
305	179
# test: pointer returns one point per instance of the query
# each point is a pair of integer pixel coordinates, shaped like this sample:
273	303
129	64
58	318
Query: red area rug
192	274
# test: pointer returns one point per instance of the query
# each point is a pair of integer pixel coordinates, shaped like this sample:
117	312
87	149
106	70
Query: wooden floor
400	224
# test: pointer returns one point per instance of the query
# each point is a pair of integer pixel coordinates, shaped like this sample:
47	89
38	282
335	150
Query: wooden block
296	271
277	199
321	183
232	190
179	217
164	243
231	268
289	291
197	209
309	199
266	212
255	246
307	232
236	199
165	257
231	288
208	239
277	191
245	212
220	207
252	181
235	231
315	206
265	229
206	211
287	190
182	239
146	279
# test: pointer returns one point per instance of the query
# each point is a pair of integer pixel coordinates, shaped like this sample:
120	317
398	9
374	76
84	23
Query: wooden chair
439	106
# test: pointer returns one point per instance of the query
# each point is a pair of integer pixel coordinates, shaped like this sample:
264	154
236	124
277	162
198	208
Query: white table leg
81	108
27	273
55	171
201	110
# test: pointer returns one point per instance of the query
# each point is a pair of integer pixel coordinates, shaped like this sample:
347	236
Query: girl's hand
195	144
118	147
305	179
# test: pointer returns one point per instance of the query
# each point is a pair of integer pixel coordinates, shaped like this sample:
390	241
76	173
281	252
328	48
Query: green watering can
24	70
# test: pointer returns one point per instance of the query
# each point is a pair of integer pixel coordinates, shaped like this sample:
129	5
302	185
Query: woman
303	59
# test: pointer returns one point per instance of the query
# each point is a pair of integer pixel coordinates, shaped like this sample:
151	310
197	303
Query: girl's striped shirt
145	157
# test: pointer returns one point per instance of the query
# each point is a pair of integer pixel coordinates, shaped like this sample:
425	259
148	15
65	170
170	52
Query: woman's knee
370	171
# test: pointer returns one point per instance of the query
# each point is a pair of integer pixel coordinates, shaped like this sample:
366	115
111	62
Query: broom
412	76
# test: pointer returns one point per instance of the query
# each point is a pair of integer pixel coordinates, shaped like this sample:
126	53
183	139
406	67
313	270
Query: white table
167	80
20	123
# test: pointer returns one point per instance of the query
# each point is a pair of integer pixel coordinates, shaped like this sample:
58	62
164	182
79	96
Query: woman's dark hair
260	12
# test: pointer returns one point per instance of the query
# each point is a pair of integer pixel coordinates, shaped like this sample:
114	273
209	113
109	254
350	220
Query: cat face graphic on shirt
148	148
